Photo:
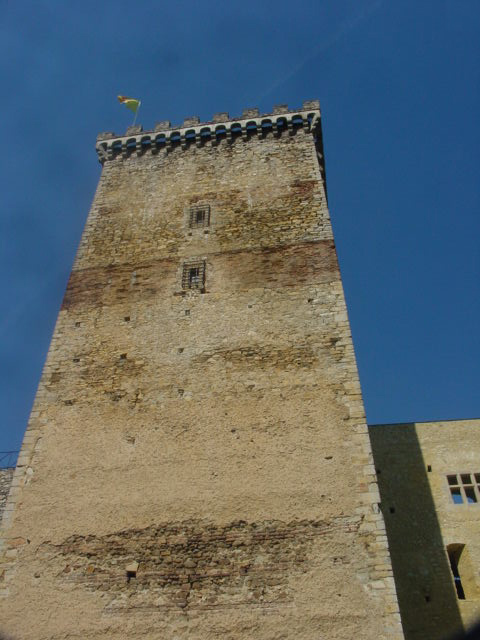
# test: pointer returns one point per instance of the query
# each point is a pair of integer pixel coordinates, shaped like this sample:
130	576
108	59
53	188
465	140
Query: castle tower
197	463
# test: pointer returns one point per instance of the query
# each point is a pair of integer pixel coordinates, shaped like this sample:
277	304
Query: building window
199	216
463	572
193	275
464	488
454	553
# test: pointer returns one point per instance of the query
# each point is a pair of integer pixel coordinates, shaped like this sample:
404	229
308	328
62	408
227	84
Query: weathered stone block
134	130
222	116
191	121
162	125
250	113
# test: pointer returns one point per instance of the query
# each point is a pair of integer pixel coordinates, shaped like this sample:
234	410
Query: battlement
192	131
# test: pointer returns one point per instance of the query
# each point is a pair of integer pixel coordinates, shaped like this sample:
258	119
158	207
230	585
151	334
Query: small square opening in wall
193	275
199	216
131	571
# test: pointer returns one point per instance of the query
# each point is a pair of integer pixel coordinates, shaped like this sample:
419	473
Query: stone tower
197	463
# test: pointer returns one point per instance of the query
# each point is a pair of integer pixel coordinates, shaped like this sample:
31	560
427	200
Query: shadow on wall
426	593
472	634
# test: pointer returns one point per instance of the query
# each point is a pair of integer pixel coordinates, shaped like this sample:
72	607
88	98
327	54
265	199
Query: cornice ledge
251	123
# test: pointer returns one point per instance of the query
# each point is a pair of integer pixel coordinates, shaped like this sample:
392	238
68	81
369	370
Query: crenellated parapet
281	121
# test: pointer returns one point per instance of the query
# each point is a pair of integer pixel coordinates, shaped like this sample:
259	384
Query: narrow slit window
199	216
193	275
454	552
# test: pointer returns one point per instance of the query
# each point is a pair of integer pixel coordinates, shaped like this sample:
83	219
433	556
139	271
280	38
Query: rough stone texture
250	113
6	476
163	124
134	129
191	121
413	461
220	117
216	440
196	563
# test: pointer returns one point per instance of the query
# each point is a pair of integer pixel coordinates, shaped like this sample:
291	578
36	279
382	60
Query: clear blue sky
399	85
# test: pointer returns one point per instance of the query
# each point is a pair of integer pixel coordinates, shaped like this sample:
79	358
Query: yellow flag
130	103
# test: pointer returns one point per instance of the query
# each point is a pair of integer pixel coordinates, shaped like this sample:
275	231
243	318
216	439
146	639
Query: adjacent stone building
197	463
6	476
429	479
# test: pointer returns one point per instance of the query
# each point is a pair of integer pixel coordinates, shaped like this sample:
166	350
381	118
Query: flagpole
135	118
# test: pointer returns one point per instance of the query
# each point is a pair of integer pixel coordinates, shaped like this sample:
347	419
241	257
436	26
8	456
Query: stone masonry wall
5	482
197	462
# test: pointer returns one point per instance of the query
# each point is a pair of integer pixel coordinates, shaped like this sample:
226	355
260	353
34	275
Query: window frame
193	213
459	485
194	282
